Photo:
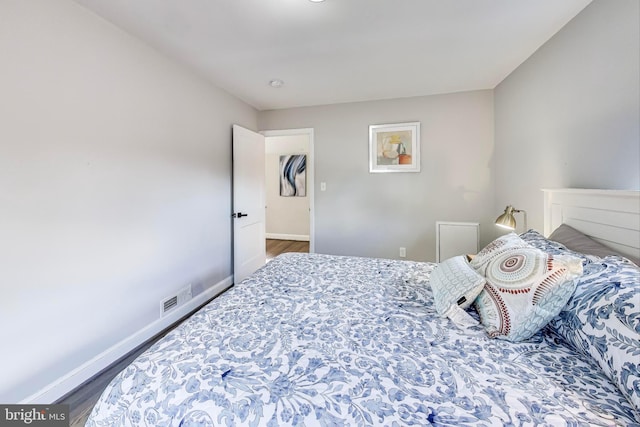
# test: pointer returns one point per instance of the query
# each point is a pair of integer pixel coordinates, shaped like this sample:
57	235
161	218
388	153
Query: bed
314	339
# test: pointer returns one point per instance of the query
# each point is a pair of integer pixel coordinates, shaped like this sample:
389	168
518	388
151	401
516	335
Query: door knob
239	215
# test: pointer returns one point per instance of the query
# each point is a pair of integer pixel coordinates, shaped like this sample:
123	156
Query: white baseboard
298	237
78	376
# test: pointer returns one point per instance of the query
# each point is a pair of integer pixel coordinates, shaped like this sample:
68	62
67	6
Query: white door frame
310	175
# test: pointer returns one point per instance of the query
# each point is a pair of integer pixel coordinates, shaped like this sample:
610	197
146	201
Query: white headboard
611	217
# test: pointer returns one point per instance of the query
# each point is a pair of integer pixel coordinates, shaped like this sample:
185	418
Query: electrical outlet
403	252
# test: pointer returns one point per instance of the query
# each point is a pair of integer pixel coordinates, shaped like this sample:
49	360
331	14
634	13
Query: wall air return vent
169	304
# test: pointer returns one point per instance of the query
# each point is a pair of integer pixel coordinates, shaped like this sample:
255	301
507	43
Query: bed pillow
602	321
525	289
495	248
455	284
537	240
579	242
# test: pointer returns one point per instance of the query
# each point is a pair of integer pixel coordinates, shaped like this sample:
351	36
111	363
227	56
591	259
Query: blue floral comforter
320	340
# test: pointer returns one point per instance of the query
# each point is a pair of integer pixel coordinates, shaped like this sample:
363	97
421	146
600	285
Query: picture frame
293	175
394	147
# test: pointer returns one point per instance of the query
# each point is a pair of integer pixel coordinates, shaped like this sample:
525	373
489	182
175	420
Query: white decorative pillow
495	248
455	284
525	289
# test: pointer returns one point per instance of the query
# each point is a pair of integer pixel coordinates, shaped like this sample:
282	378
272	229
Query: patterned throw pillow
525	288
495	248
602	321
455	284
602	318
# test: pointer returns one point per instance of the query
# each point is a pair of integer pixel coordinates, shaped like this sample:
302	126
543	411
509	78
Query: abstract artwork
293	175
394	147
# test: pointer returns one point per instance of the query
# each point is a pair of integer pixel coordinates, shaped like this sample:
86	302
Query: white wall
375	214
286	216
115	168
570	115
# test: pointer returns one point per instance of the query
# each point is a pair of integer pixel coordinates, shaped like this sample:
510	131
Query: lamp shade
507	220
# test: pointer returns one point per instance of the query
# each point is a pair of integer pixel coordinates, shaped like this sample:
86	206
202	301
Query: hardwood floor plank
277	247
82	400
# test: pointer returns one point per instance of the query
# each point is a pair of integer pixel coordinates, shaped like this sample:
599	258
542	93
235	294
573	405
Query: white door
249	251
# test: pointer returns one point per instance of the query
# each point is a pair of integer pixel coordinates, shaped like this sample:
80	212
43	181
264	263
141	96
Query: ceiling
343	50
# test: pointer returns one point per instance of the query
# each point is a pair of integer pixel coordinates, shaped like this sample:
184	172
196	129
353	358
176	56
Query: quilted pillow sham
602	321
524	289
455	284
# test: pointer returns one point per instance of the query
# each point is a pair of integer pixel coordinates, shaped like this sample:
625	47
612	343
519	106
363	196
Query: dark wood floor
82	399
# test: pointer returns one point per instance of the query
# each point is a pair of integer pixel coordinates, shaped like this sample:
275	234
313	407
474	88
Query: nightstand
456	238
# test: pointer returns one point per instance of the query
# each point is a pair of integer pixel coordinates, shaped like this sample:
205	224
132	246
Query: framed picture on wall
394	147
293	175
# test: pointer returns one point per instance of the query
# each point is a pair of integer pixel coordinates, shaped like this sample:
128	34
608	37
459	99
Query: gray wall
115	188
115	169
375	214
570	115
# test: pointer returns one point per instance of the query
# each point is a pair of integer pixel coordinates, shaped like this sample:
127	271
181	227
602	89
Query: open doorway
289	191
